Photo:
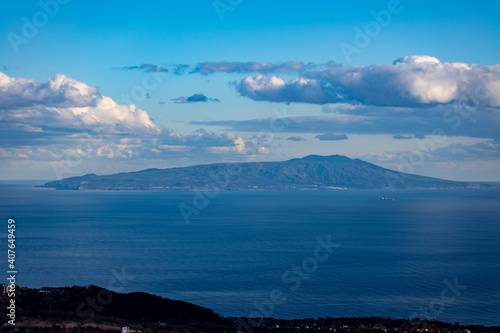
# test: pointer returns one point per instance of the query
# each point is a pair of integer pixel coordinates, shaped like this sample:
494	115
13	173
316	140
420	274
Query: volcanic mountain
312	172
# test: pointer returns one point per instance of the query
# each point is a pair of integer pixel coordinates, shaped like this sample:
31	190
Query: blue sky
255	74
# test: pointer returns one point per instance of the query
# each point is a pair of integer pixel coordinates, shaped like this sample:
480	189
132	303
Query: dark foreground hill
86	306
311	172
84	309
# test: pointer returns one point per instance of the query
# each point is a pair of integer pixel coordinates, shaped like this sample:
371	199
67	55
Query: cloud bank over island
407	100
49	121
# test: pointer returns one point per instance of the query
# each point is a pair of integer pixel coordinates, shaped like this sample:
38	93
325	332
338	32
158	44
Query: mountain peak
319	172
327	158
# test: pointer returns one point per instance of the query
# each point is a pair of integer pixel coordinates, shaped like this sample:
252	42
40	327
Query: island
312	172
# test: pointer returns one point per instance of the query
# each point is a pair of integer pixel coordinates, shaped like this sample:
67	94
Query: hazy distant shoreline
312	172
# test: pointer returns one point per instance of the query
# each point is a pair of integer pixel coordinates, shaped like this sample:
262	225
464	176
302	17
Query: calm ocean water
392	260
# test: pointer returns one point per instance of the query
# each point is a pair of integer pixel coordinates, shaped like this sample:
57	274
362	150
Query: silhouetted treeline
83	309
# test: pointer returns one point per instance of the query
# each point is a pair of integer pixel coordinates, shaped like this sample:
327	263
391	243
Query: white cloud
67	121
58	91
66	105
418	81
108	112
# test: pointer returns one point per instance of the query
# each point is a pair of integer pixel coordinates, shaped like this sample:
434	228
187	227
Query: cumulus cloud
145	67
196	98
274	89
331	137
417	81
200	138
65	118
58	91
66	105
296	138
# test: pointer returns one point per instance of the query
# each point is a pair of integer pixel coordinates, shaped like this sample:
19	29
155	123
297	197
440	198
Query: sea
431	254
